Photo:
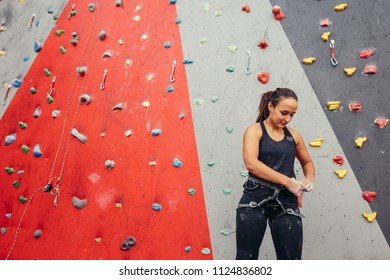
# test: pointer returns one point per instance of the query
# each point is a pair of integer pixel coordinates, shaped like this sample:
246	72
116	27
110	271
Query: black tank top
279	155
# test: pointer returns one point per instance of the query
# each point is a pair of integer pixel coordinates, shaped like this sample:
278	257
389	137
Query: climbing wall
156	150
98	151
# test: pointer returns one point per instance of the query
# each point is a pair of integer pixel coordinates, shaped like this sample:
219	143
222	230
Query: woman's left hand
307	185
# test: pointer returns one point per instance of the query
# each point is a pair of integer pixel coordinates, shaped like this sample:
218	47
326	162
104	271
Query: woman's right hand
294	186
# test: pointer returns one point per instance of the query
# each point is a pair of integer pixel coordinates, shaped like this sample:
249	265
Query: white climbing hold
9	139
85	98
198	101
107	54
55	113
81	70
128	133
119	106
232	49
78	135
146	104
109	164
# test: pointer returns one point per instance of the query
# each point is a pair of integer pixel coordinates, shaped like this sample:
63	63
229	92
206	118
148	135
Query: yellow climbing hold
359	141
349	71
370	217
341	173
118	205
2	53
98	239
309	60
325	36
340	7
333	105
317	142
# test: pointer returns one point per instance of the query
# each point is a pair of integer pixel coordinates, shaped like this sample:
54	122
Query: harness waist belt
264	183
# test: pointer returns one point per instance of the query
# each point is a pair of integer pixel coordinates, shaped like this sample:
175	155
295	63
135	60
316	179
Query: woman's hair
274	97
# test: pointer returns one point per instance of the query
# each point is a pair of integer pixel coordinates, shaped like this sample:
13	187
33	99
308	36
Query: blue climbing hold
170	89
187	61
17	82
167	45
156	206
26	58
172	2
50	10
177	163
37	22
181	116
37	46
187	249
8	215
178	21
156	131
37	151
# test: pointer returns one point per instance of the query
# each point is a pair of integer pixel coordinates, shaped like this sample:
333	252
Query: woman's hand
307	185
295	186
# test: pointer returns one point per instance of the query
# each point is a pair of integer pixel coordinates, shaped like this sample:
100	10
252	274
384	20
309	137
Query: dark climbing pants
283	219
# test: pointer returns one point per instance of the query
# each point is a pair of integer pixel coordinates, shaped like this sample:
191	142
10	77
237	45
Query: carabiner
333	60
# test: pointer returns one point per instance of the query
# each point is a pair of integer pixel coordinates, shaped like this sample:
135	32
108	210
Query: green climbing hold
214	99
25	149
225	232
22	199
230	69
244	173
229	129
226	191
49	99
211	163
9	170
23	125
16	183
33	90
3	230
55	17
47	72
62	49
59	32
191	191
73	13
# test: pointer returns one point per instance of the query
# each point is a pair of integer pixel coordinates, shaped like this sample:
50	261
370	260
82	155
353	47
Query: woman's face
283	112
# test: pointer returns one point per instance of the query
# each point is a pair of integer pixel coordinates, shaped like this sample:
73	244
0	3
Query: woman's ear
270	107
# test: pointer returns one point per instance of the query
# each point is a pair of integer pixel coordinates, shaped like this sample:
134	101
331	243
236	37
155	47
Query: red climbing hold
263	77
381	122
263	44
369	196
279	16
366	53
339	160
370	69
276	10
325	22
246	9
355	107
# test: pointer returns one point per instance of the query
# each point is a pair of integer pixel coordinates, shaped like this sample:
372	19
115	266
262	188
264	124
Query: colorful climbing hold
325	36
37	151
59	32
381	122
37	112
62	50
22	199
244	173
107	54
178	21
85	98
276	9
232	49
370	69
187	249
309	60
156	206
218	13
229	129
146	104
205	251
370	217
37	46
156	131
333	105
339	160
49	99
225	231
325	22
17	83
128	132
187	61
82	138
167	45
355	107
341	173
246	9
16	184
9	170
316	142
369	196
349	71
359	141
340	7
128	243
263	44
119	106
25	149
263	77
177	163
102	35
81	70
33	90
226	191
22	125
230	69
211	163
3	230
37	233
366	53
109	164
170	89
79	203
9	139
198	101
47	72
191	191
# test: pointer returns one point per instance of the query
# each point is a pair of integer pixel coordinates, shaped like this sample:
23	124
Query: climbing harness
248	58
275	197
172	78
128	243
333	60
102	85
6	95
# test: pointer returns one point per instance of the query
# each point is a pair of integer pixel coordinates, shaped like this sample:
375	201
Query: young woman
271	191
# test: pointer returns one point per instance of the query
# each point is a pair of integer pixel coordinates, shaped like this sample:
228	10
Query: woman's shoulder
295	134
254	130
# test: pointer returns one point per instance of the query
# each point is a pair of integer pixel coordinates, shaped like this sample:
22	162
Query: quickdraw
333	60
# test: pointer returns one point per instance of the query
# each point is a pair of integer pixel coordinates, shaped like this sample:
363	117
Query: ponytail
274	97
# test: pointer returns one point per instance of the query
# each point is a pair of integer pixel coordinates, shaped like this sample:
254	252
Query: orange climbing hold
369	195
263	77
366	53
381	122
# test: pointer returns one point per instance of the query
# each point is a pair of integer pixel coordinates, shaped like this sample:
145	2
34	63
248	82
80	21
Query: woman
271	191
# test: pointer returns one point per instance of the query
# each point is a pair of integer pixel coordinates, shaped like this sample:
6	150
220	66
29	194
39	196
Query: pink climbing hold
325	22
369	195
366	53
370	69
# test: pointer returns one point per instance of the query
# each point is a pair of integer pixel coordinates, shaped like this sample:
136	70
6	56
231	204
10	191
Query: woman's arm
305	160
251	140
